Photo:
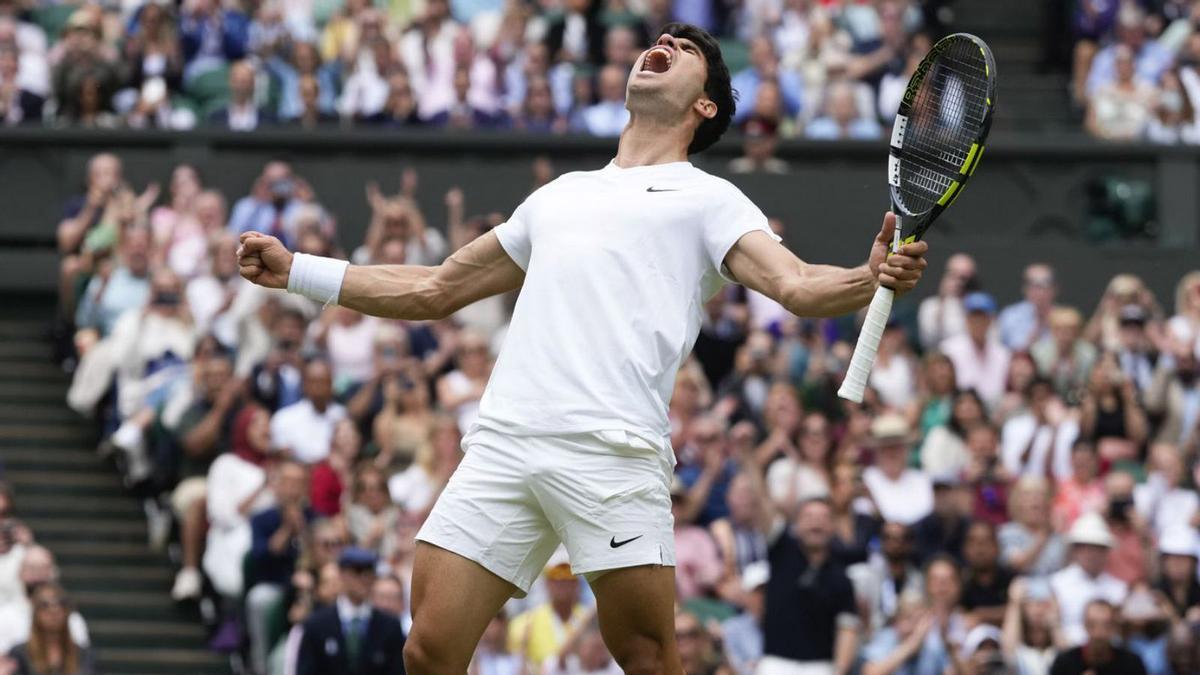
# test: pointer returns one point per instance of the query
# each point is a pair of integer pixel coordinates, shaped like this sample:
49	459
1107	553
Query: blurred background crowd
1134	69
1016	494
816	68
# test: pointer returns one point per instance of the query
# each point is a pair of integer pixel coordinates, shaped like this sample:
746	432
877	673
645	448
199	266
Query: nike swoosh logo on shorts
653	189
618	544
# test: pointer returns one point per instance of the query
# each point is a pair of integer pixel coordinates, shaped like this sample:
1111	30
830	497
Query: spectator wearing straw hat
1179	549
1085	580
901	494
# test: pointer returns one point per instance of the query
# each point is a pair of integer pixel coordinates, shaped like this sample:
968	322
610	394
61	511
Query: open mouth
658	60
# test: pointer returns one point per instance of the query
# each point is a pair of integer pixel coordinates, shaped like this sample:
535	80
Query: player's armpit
478	270
762	264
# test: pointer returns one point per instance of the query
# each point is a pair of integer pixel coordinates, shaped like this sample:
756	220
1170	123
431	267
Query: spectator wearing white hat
980	651
1085	580
901	494
1179	549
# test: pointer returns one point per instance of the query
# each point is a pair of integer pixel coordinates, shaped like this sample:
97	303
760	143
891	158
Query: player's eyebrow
688	43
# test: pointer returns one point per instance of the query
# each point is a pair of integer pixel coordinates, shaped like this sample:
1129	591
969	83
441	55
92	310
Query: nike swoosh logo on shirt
618	544
653	189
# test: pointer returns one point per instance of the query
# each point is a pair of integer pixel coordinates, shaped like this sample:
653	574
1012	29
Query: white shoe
158	524
188	584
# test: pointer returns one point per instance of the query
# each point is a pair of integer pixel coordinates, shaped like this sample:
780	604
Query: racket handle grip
855	382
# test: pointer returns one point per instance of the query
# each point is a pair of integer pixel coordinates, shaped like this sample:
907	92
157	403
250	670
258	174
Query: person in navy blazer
329	645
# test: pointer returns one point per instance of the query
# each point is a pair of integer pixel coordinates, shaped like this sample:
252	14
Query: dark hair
716	85
956	426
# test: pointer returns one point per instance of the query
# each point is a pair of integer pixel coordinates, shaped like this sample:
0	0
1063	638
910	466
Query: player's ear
705	107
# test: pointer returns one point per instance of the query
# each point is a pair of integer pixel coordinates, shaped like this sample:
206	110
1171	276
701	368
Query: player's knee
423	657
643	655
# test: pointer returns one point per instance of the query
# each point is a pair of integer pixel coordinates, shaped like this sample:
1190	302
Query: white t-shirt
304	431
1074	589
904	501
618	263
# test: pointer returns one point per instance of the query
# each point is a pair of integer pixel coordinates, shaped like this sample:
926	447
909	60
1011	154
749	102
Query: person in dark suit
351	636
578	35
241	113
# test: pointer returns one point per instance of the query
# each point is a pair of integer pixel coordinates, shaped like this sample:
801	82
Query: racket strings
947	116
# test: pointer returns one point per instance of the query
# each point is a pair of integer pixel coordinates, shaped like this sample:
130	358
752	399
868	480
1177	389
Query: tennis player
572	441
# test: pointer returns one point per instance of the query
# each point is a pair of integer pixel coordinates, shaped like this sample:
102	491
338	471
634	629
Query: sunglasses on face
331	543
51	604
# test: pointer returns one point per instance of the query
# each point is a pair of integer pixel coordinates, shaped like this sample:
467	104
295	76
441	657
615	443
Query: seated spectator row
828	69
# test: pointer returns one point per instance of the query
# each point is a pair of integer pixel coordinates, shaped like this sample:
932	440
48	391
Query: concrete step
29	330
32	392
95	577
48	413
160	661
141	605
52	459
20	350
51	530
78	506
107	553
12	434
33	370
41	482
123	634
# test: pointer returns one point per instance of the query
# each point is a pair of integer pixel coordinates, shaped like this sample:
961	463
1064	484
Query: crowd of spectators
1135	69
40	632
1016	494
817	68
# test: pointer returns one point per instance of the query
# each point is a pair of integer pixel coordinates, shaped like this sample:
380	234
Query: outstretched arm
764	265
476	271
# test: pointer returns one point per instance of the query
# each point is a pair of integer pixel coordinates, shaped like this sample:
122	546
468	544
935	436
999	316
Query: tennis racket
937	142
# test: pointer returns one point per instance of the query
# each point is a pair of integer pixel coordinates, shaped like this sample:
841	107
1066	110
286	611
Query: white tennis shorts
604	495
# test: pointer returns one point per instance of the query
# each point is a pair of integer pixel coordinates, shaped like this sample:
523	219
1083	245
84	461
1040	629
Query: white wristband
317	278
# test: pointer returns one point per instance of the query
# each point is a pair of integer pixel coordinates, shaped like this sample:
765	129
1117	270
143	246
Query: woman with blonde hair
1028	544
402	428
1186	321
691	397
370	515
416	488
50	649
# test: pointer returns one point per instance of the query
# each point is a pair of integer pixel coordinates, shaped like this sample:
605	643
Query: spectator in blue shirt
764	65
270	205
842	120
127	285
276	537
1151	59
211	36
1024	323
909	645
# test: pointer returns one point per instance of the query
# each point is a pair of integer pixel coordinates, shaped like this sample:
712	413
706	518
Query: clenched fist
264	260
901	270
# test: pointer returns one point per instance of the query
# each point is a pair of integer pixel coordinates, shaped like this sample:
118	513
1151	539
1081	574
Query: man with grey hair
1023	323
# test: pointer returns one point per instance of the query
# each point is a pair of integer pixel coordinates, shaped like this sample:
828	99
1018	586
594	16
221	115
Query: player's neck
645	143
